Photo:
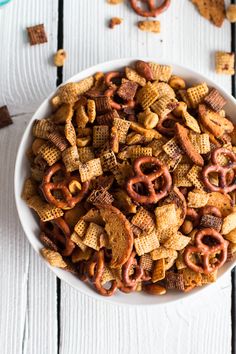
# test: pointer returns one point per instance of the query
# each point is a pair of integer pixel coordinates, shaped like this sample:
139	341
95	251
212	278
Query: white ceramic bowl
30	223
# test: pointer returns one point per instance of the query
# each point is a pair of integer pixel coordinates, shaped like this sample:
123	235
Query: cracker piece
150	26
209	278
215	100
201	142
5	118
70	158
164	106
146	243
197	93
174	281
127	90
180	176
50	153
42	128
53	258
197	198
146	262
122	128
37	34
78	241
58	140
70	133
224	63
143	219
172	149
92	236
158	271
166	221
177	241
229	223
191	122
86	154
163	252
108	161
30	189
132	75
100	135
221	201
195	177
147	95
212	10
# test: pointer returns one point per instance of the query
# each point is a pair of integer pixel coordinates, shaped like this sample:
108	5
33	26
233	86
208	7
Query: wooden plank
28	289
196	326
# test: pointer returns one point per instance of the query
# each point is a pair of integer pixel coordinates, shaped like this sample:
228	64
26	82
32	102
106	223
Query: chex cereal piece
37	173
102	104
58	140
197	93
172	149
213	11
215	100
163	89
78	241
158	271
194	175
5	118
161	72
42	128
191	122
146	242
138	151
146	262
174	281
90	169
37	34
201	142
211	221
30	189
71	159
53	258
197	198
143	219
167	221
108	161
107	118
107	275
50	153
177	242
170	261
127	90
164	106
100	196
224	63
150	26
132	75
148	134
70	133
147	95
229	223
122	128
92	236
163	252
209	278
81	227
170	162
122	172
86	154
157	145
100	135
45	211
180	176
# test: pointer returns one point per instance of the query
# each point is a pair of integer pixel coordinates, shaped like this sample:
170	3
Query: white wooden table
38	313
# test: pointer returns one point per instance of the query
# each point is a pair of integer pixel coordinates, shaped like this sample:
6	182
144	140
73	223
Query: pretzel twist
153	10
166	125
128	280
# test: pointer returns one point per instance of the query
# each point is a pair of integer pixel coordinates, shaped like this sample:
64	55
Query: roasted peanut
178	111
148	119
177	83
74	187
60	57
187	227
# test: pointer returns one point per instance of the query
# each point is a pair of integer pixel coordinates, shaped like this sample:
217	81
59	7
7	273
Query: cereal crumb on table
115	2
115	21
150	26
60	57
224	63
37	34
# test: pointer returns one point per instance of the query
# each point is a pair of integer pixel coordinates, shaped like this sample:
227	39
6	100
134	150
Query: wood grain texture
199	326
28	305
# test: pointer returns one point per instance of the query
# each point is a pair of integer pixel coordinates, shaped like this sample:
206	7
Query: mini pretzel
118	106
206	251
166	125
138	273
112	75
59	233
193	216
147	179
210	210
69	200
226	179
153	10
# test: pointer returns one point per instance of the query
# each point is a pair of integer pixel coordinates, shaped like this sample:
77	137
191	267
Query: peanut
60	57
148	119
154	289
187	227
182	107
177	83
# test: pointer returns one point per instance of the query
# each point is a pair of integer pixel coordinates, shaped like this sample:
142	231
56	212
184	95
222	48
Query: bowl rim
63	275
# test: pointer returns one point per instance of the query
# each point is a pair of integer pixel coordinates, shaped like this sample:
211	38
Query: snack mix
133	181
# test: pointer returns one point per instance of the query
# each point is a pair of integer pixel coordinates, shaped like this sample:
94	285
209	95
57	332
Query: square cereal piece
177	242
197	198
100	196
5	118
81	227
150	26
78	241
167	221
42	128
146	243
163	252
108	161
127	90
161	72
147	95
191	122
146	262
100	135
215	100
211	221
174	281
197	93
158	271
37	34
164	106
107	118
122	128
107	276
201	142
58	140
86	154
132	75
50	153
139	151
172	149
157	145
195	177
224	63
191	279
90	169
92	236
180	176
102	104
70	158
30	189
143	219
53	258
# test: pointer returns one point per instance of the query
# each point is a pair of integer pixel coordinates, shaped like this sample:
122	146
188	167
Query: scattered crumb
231	13
37	34
115	21
150	26
115	2
60	57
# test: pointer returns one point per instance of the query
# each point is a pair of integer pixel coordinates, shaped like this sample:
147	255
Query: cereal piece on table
58	140
146	262
197	198
122	128
172	149
224	63
177	241
5	118
115	21
70	158
53	258
229	224
108	161
164	89
197	93
59	58
191	122
143	219
180	176
215	100
146	243
213	11
90	169
50	153
86	154
231	13
42	128
201	142
37	34
92	236
100	135
70	133
164	106
127	90
100	196
174	281
147	95
102	104
163	252
150	26
78	241
132	75
158	271
30	189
